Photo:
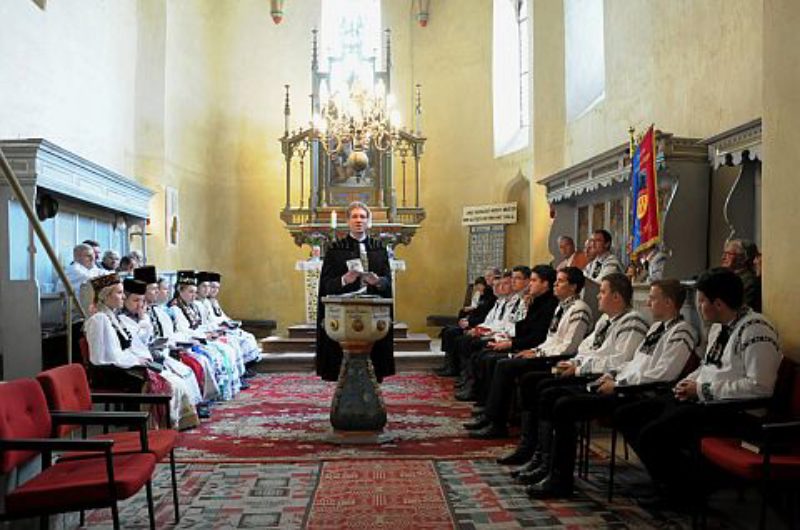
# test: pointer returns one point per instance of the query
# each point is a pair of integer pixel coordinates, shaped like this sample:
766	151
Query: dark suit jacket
329	353
532	330
485	304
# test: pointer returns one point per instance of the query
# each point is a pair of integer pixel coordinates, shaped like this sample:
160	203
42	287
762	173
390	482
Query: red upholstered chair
70	400
778	461
68	486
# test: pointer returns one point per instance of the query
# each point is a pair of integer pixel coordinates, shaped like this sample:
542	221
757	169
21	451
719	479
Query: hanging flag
646	217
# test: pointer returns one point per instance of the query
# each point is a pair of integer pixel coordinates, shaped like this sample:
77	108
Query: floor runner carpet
285	418
384	494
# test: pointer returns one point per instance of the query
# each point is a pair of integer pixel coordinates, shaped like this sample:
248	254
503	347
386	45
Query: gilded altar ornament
358	325
381	325
334	324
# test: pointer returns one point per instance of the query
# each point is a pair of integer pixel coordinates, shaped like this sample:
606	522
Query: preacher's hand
371	278
350	277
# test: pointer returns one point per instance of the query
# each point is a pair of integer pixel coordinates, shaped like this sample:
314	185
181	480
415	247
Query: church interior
203	146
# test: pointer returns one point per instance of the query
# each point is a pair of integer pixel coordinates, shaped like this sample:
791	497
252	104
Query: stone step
405	361
417	342
301	331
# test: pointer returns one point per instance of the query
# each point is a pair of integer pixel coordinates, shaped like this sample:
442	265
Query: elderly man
82	269
110	261
337	277
570	256
735	256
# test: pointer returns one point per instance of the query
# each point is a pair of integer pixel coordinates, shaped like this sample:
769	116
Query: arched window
351	40
584	48
511	76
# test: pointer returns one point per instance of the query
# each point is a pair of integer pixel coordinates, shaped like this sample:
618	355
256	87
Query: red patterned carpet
390	494
284	418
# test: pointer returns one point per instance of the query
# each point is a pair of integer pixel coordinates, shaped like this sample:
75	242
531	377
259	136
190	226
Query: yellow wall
780	186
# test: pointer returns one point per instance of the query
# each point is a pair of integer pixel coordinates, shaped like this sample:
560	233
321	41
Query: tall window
585	67
511	69
351	39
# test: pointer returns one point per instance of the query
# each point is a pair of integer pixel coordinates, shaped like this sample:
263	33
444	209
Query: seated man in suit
741	362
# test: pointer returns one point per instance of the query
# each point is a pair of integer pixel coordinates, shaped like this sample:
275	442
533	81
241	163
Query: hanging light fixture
423	11
276	10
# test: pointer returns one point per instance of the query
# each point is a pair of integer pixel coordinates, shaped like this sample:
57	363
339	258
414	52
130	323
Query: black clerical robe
329	353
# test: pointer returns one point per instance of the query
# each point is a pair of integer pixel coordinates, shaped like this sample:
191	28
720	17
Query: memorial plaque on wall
486	249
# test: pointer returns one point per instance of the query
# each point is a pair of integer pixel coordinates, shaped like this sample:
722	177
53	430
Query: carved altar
353	149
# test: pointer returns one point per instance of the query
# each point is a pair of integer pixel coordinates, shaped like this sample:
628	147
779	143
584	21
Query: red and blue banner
646	228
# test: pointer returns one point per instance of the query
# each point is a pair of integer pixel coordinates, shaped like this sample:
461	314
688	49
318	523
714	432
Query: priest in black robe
336	279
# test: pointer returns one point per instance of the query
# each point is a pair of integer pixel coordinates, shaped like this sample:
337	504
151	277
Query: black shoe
203	413
477	410
521	455
549	488
244	385
249	373
531	464
479	422
445	371
534	476
491	432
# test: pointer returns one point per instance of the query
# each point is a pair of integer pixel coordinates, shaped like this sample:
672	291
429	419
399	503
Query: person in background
738	256
110	261
570	256
82	268
136	258
96	248
126	265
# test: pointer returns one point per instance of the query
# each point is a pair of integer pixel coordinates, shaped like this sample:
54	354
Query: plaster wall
780	187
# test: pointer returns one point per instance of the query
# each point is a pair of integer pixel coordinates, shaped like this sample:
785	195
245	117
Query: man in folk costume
336	278
247	341
188	322
133	317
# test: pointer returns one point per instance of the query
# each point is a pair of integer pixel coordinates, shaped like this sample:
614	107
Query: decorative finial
314	60
418	107
388	49
287	111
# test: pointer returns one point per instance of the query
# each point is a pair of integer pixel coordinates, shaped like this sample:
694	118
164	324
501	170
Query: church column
780	186
549	115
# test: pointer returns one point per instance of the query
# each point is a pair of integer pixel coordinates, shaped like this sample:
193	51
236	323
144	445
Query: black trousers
485	362
449	336
665	433
466	347
563	406
507	378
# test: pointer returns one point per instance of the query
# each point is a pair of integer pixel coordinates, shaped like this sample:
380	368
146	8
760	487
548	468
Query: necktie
556	319
714	355
652	339
159	331
596	269
600	334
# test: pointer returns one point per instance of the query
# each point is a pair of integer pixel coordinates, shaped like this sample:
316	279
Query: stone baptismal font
358	414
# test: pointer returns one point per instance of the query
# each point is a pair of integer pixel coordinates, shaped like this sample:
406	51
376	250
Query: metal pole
69	330
16	187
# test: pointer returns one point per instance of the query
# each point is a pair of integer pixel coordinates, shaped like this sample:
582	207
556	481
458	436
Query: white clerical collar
361	240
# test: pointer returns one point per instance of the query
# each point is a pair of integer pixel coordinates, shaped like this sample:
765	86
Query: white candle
333	219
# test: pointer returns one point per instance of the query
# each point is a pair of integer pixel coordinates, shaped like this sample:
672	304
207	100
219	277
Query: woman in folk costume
200	362
188	322
111	352
247	341
186	394
205	312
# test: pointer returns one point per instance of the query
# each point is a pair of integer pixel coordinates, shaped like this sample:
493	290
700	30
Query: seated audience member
126	265
654	262
185	391
530	332
136	258
501	326
478	287
567	328
450	333
570	256
738	256
115	362
110	261
82	268
603	264
248	343
96	249
187	319
616	336
659	358
741	362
